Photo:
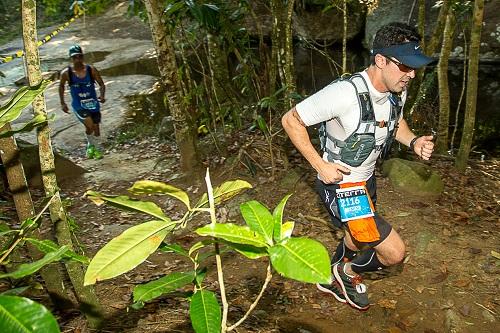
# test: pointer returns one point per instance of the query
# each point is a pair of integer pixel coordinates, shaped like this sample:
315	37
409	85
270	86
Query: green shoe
354	290
90	153
98	154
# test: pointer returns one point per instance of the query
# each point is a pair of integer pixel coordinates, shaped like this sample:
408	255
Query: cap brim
74	54
416	60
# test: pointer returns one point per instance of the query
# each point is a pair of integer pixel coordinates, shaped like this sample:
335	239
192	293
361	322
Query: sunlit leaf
287	229
22	315
127	250
153	187
151	290
259	219
233	233
225	192
278	218
205	312
248	251
32	267
21	99
127	203
27	127
301	259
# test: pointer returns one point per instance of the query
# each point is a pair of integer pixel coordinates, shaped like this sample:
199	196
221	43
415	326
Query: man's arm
62	83
102	87
423	146
297	131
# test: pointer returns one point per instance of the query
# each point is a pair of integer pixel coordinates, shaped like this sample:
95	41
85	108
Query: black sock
342	252
367	261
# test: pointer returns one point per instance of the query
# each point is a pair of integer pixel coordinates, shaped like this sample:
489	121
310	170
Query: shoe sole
341	283
328	291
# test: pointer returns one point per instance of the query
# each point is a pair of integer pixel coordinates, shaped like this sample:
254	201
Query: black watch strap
412	143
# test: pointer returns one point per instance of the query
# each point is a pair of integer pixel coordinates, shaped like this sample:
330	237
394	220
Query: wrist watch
412	143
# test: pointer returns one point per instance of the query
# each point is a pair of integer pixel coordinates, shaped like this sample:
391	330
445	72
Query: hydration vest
356	148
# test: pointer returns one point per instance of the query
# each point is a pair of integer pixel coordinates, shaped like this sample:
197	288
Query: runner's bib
89	104
353	203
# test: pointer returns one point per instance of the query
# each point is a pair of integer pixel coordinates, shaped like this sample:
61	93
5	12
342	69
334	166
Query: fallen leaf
461	283
387	303
420	289
495	254
440	277
403	214
316	306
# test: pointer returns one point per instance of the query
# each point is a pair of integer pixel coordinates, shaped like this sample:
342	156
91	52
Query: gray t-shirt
337	104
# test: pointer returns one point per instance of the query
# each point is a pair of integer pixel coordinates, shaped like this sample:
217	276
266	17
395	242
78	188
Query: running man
361	115
81	79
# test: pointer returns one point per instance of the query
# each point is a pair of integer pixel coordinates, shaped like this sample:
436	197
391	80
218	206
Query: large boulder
407	11
412	177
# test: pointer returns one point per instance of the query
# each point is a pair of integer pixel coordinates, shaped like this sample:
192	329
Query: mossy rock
412	177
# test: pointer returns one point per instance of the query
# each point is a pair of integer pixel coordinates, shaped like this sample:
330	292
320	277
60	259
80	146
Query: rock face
403	11
413	177
310	21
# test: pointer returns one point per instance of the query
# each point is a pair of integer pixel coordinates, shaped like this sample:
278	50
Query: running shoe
332	289
354	290
97	154
90	151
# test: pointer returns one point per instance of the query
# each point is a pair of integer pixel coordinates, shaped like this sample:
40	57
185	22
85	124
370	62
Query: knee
398	254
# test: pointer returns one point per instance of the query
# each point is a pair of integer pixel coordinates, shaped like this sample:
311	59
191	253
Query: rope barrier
79	12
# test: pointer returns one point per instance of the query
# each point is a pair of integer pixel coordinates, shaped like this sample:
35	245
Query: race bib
88	104
354	203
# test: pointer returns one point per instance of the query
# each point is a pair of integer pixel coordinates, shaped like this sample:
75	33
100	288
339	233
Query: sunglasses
77	56
402	67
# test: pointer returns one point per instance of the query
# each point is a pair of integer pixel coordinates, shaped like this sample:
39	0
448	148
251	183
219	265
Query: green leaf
47	246
205	312
287	229
15	291
153	187
169	248
32	267
200	245
151	290
259	219
224	192
248	251
127	203
21	99
127	251
301	259
27	127
278	218
22	315
200	276
233	233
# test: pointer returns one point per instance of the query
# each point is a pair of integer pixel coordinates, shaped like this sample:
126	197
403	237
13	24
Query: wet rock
423	239
413	177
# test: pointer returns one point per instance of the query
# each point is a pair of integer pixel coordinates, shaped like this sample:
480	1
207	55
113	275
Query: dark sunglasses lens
77	56
404	68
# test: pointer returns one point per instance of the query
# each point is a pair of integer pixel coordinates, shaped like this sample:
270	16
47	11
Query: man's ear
380	61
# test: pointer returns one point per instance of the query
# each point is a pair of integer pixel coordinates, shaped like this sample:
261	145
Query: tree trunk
85	295
444	92
416	88
51	275
167	64
282	47
471	97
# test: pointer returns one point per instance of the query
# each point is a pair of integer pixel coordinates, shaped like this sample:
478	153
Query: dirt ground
448	283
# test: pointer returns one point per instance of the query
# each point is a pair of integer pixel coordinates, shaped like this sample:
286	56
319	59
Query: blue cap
75	50
409	54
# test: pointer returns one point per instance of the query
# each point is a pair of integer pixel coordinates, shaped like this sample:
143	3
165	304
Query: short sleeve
328	103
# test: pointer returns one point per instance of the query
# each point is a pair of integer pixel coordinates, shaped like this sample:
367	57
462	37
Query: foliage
22	315
264	235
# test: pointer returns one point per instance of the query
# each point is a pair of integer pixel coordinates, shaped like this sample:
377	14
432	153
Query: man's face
396	76
77	59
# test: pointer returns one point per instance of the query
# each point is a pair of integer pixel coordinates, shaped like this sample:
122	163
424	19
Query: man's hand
64	107
101	99
331	173
424	147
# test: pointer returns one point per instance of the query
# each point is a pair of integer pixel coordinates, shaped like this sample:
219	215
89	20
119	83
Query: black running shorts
327	193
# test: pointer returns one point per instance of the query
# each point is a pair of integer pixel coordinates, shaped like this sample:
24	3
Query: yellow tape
20	53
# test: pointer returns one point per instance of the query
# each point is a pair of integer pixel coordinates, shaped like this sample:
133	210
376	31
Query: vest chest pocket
357	149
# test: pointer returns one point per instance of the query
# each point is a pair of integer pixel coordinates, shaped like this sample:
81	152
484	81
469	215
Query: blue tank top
83	92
